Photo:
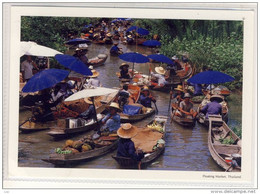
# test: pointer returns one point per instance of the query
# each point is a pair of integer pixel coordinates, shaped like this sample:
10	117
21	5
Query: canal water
186	149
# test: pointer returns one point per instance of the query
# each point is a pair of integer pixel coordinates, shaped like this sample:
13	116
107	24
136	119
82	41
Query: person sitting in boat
126	147
111	122
159	77
124	74
197	89
123	96
129	39
146	98
178	96
115	49
93	81
186	107
214	107
176	63
80	53
90	112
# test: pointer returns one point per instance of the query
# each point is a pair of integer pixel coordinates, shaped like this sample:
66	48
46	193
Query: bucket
228	160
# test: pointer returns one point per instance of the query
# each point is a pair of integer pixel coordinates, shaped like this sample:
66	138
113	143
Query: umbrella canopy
31	48
152	43
161	58
141	31
45	79
98	91
77	41
74	64
210	77
134	57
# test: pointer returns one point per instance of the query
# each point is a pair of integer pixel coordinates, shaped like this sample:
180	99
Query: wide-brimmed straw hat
109	34
216	97
187	95
91	67
114	105
91	31
123	64
88	100
127	131
145	88
129	36
174	57
95	73
160	70
179	88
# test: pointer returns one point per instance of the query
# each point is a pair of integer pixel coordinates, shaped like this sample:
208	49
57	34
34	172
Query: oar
29	119
156	109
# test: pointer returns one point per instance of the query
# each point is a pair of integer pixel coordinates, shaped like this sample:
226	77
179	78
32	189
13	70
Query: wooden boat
98	41
75	158
148	157
201	118
183	121
220	152
98	61
30	126
124	118
166	87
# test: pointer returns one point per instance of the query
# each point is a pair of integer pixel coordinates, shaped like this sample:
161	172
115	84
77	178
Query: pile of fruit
156	126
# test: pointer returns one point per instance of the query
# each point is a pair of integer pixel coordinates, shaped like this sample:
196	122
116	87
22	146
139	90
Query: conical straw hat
127	131
160	70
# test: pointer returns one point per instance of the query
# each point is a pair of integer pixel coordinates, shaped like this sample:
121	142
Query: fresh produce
60	151
69	143
77	144
156	126
86	147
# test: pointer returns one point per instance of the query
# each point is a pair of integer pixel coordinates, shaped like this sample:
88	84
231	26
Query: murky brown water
186	149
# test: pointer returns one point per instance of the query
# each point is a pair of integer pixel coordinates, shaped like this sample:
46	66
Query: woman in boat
80	53
179	95
90	112
159	77
126	147
115	50
123	96
111	122
214	107
93	81
146	98
186	107
124	74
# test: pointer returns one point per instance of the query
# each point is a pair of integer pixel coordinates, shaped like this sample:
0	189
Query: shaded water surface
186	149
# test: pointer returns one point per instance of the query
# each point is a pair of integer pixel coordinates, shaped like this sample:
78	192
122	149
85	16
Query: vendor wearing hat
111	122
186	107
176	63
126	147
124	74
214	107
129	39
93	80
159	76
89	113
80	53
178	96
115	49
146	98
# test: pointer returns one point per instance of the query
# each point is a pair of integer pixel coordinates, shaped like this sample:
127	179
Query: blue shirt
126	148
114	48
113	123
212	108
145	101
197	89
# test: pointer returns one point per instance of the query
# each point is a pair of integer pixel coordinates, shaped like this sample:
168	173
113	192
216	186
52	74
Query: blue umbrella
210	77
77	41
73	63
161	58
134	58
141	31
45	79
152	43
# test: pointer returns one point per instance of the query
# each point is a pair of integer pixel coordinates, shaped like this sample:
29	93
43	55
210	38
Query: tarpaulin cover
146	139
131	110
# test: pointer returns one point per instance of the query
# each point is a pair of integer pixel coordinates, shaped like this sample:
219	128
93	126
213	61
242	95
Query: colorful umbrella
74	64
141	31
161	58
31	48
45	79
152	43
210	77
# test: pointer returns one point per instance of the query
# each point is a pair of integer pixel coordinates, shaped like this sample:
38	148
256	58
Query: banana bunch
155	126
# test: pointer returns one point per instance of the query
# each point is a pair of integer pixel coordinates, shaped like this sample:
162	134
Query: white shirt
27	67
161	79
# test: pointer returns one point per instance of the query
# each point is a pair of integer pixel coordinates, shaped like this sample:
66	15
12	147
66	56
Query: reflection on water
186	149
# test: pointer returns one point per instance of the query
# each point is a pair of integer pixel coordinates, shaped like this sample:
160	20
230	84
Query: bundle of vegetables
75	146
155	125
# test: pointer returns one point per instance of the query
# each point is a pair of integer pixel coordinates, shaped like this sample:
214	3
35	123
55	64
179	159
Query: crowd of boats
64	109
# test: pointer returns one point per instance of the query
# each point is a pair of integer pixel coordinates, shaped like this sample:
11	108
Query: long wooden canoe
124	118
219	131
76	158
148	157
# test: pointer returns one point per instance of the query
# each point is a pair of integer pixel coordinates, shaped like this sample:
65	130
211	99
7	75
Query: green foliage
228	140
238	131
